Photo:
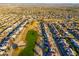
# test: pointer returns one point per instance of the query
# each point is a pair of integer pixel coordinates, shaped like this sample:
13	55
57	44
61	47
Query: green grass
31	38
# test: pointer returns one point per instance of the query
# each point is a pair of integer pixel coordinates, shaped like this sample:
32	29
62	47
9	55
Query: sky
39	1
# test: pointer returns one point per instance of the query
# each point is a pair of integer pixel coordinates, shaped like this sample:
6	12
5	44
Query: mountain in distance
41	4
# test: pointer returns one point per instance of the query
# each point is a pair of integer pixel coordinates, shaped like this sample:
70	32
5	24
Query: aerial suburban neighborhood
39	29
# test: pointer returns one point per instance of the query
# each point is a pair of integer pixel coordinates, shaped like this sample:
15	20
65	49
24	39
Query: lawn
31	38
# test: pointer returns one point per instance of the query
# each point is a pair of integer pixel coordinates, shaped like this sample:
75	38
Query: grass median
31	38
